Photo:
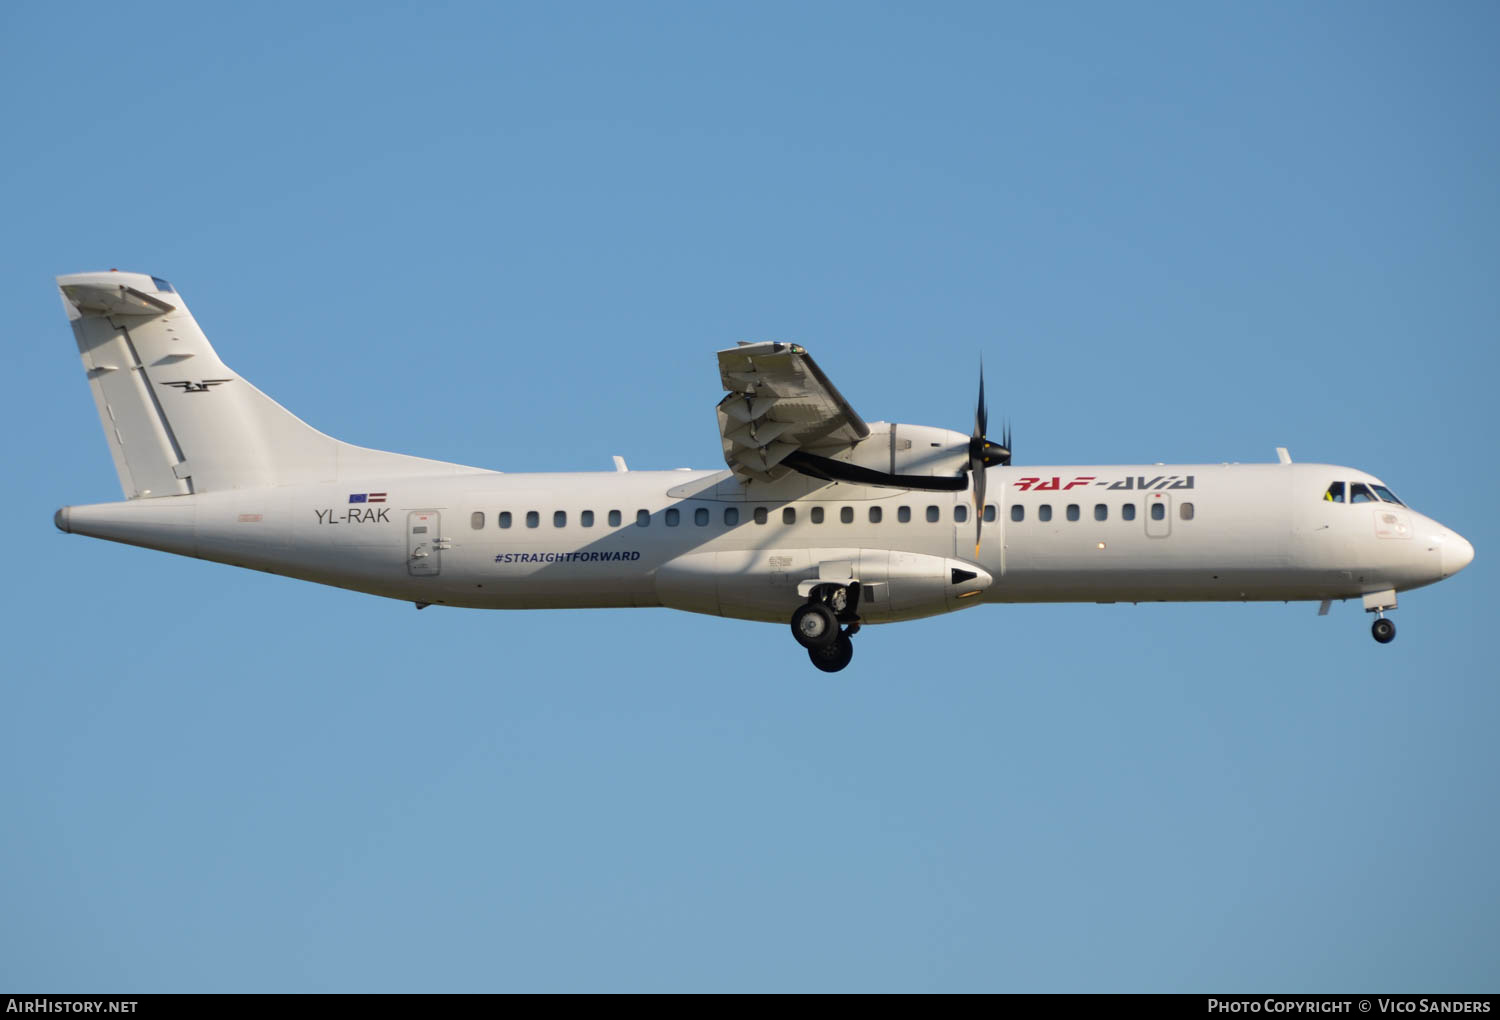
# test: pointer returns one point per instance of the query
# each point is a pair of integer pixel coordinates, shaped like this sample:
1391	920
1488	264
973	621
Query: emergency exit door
424	543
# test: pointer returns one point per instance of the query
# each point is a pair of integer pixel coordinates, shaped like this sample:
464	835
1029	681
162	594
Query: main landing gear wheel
834	657
815	626
1383	630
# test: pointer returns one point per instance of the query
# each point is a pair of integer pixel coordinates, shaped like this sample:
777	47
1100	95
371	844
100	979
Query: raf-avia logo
201	386
1141	483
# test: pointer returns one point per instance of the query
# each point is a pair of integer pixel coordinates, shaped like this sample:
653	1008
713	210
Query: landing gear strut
816	625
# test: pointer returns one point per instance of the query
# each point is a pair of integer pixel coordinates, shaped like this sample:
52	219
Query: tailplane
178	420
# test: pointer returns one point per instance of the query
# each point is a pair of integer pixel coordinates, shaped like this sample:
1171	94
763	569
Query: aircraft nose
1457	554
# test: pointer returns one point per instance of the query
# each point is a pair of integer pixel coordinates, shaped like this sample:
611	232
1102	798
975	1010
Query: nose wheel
816	625
1383	630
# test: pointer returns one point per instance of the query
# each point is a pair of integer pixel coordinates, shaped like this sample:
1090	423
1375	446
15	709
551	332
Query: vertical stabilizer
178	420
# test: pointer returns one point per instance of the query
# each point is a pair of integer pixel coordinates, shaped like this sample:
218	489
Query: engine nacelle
900	449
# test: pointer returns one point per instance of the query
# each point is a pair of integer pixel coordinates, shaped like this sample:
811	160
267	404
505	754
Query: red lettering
1025	484
1080	480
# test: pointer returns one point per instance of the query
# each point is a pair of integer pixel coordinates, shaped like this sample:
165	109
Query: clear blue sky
513	235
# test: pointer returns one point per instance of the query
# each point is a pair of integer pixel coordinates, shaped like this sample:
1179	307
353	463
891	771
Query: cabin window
1386	494
989	513
1158	511
789	515
846	515
642	518
700	516
533	519
1072	511
586	518
1127	512
614	518
876	514
817	515
504	518
1101	512
476	520
673	517
760	515
559	518
1044	512
932	514
960	513
1017	512
1360	493
1335	493
731	516
903	514
1185	511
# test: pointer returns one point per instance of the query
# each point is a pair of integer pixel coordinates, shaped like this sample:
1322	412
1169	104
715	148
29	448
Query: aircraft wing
779	403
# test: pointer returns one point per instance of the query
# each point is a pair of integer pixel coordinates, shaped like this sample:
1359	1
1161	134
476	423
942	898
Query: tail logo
202	386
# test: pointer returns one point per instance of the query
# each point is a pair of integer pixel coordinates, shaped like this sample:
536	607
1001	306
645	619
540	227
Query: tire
1383	630
834	657
814	625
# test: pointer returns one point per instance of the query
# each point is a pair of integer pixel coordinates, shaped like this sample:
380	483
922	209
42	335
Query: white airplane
821	519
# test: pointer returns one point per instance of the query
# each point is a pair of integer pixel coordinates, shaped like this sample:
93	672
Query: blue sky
513	236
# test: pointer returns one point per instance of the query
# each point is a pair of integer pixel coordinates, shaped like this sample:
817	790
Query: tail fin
178	420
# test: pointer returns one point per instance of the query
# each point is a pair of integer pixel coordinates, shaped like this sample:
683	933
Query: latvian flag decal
367	497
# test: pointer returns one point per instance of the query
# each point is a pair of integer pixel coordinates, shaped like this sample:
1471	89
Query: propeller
983	454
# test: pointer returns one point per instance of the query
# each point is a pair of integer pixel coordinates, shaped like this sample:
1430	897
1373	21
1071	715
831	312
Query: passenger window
760	515
700	516
1127	512
876	514
1072	511
1017	512
533	519
673	516
1101	512
846	515
1386	494
1185	511
817	515
614	518
789	515
586	518
504	518
960	513
903	514
559	518
731	516
642	518
476	520
1358	493
1158	511
989	513
1335	493
1044	512
932	515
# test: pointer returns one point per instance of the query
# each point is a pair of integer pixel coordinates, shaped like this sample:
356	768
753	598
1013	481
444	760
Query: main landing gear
817	625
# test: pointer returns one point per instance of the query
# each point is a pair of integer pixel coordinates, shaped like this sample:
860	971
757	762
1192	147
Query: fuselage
704	541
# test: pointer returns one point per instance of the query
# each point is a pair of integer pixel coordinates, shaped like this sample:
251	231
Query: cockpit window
1386	494
1360	493
162	285
1335	493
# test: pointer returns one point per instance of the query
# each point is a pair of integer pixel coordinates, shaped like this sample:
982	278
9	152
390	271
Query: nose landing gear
1383	630
816	625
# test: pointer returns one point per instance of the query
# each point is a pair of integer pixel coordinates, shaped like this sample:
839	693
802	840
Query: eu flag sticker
357	497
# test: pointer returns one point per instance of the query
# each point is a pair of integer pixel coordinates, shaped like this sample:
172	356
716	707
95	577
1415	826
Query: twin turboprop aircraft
819	519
